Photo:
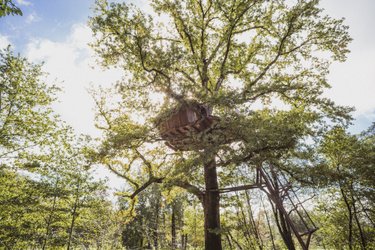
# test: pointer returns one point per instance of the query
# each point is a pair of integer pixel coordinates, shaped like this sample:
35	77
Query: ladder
274	183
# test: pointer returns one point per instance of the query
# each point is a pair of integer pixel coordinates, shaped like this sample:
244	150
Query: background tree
228	55
349	158
26	117
47	191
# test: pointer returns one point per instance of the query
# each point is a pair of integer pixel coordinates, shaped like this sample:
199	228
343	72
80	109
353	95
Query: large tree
235	57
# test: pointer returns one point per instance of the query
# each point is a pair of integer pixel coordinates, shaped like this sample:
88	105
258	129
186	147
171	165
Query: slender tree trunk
229	242
284	229
173	226
183	236
71	227
366	213
355	212
74	216
49	220
268	224
185	241
235	241
156	225
252	221
243	224
350	215
211	207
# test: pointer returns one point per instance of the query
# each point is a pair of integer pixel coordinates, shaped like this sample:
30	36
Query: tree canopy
219	129
231	56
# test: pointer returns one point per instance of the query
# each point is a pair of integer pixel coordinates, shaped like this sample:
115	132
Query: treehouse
183	127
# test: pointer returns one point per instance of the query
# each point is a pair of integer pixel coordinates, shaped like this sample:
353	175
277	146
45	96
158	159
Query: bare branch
122	175
145	185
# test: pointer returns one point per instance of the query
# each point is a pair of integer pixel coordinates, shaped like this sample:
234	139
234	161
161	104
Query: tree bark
355	212
74	215
173	227
211	207
350	216
49	221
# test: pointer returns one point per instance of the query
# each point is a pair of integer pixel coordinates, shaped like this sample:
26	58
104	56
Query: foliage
47	192
232	56
7	7
26	117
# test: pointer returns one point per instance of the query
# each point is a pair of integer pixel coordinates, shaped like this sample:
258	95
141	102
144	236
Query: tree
26	118
55	203
48	198
228	55
349	159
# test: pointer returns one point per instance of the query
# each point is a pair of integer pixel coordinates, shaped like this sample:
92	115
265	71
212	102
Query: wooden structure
184	128
287	203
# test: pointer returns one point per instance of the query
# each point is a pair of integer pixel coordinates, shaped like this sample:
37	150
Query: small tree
229	55
350	162
26	117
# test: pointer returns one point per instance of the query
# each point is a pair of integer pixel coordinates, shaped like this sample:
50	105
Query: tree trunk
268	224
211	207
252	222
49	220
350	216
355	212
173	226
74	216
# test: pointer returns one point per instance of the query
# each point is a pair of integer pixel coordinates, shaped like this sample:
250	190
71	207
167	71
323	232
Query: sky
55	32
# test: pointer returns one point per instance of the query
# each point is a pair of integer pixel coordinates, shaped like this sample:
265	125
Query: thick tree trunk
211	206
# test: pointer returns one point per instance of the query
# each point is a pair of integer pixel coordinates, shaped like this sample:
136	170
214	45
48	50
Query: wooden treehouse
184	128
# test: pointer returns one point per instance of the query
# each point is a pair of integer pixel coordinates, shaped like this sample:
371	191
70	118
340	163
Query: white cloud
353	82
32	18
70	63
24	2
4	41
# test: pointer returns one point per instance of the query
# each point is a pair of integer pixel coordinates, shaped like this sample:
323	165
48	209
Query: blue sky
50	19
48	29
55	32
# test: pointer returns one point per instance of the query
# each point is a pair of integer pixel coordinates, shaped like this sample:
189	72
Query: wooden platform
184	129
